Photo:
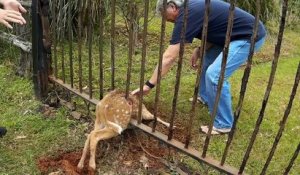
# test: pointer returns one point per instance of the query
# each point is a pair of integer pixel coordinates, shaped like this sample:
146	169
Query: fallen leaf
127	163
21	137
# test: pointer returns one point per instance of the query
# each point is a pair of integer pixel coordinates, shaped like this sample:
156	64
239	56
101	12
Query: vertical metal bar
283	121
101	76
35	55
63	62
90	40
269	87
162	47
70	37
144	54
80	45
199	72
244	82
112	42
61	39
287	170
54	36
222	74
131	45
179	68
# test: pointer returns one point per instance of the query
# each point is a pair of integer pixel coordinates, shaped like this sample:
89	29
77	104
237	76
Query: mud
131	153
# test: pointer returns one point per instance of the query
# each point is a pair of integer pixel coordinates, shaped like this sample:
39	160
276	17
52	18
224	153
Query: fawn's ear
130	101
136	96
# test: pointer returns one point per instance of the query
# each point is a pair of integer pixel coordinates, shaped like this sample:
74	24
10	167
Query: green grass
20	115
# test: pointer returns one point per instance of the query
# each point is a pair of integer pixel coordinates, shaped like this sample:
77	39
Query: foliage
269	8
293	14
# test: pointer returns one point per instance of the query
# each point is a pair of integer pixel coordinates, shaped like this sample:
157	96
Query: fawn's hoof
92	165
92	171
80	166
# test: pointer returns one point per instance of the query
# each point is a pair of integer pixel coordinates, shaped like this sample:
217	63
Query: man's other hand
7	16
13	5
194	58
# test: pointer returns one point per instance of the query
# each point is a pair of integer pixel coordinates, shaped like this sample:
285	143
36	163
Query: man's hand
13	5
146	91
7	16
196	55
194	58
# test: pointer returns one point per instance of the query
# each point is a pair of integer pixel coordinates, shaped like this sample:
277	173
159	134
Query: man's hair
160	5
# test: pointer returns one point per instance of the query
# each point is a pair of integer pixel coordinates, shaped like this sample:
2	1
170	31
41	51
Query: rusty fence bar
222	74
101	38
161	50
61	41
131	45
54	35
179	68
90	42
269	87
295	155
79	44
201	52
35	42
63	62
244	83
112	42
283	121
70	38
144	54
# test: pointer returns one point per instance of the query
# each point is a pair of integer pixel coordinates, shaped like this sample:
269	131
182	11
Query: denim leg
209	58
238	54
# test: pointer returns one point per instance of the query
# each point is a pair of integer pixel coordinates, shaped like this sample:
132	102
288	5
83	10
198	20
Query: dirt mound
130	153
66	162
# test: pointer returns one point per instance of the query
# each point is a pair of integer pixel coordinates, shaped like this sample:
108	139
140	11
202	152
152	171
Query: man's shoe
215	131
2	131
199	100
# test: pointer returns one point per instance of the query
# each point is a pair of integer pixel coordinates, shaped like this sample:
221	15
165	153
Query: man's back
218	21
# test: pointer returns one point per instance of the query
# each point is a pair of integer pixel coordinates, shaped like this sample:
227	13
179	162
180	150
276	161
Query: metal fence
71	34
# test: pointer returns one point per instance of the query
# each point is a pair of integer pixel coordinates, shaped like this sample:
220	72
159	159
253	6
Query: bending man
217	26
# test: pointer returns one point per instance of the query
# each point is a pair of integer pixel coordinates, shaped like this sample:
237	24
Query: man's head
172	8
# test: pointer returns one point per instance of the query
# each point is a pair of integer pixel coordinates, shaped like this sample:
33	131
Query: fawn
113	114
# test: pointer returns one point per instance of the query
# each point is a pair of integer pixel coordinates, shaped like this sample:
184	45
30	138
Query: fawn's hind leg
98	126
95	137
84	152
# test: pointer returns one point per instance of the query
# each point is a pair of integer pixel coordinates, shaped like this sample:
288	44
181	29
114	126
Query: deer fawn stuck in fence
113	114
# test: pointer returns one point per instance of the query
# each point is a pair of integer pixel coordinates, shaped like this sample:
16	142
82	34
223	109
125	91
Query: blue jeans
238	54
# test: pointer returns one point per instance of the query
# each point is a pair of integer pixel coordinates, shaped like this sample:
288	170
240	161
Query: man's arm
169	57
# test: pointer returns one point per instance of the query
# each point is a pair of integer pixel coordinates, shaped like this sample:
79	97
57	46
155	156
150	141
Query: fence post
41	47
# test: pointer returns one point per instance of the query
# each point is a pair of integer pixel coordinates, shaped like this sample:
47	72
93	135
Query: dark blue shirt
217	26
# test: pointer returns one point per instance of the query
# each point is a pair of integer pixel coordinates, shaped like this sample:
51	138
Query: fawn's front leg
146	115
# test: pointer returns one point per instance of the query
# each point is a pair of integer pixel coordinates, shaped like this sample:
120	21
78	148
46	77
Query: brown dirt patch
131	153
63	161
